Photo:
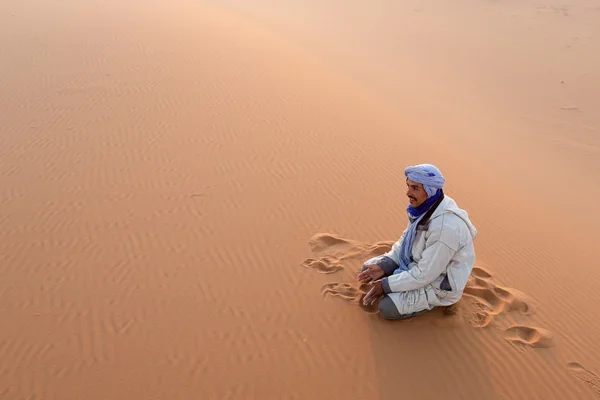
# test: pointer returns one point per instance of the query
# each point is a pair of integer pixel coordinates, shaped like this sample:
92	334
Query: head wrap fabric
428	175
433	181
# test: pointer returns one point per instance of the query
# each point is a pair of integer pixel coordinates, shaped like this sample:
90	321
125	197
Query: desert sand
188	189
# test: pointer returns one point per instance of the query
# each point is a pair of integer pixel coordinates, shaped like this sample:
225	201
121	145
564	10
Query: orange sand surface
188	188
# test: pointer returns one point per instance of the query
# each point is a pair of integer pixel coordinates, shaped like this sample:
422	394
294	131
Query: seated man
430	264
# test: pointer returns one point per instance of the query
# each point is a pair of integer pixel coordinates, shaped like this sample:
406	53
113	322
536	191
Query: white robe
443	247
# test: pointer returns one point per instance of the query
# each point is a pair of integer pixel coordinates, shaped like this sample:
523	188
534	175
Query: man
430	264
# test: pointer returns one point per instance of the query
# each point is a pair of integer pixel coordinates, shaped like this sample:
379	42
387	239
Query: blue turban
428	175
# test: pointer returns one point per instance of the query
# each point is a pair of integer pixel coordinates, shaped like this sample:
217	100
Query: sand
188	188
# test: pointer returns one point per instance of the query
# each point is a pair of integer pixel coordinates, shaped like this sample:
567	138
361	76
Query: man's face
416	193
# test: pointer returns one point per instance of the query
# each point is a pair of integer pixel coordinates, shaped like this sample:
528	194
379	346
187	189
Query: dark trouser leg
388	310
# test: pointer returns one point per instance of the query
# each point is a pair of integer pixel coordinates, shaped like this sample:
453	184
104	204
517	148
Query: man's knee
388	309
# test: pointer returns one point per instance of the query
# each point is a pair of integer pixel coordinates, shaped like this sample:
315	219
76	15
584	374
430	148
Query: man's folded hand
374	294
371	273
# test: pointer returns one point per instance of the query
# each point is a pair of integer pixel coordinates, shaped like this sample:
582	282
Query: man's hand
371	273
374	294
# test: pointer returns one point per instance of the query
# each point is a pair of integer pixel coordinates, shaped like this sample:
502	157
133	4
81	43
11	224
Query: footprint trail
491	300
486	300
334	250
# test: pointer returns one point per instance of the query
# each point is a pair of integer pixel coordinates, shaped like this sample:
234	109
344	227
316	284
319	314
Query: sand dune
187	190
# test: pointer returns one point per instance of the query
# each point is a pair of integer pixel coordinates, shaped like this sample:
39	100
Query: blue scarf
414	215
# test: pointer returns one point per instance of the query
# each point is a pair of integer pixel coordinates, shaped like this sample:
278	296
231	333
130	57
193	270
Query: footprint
325	265
380	248
482	319
346	249
479	272
323	241
343	290
485	299
474	281
362	251
515	300
529	336
350	294
585	375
